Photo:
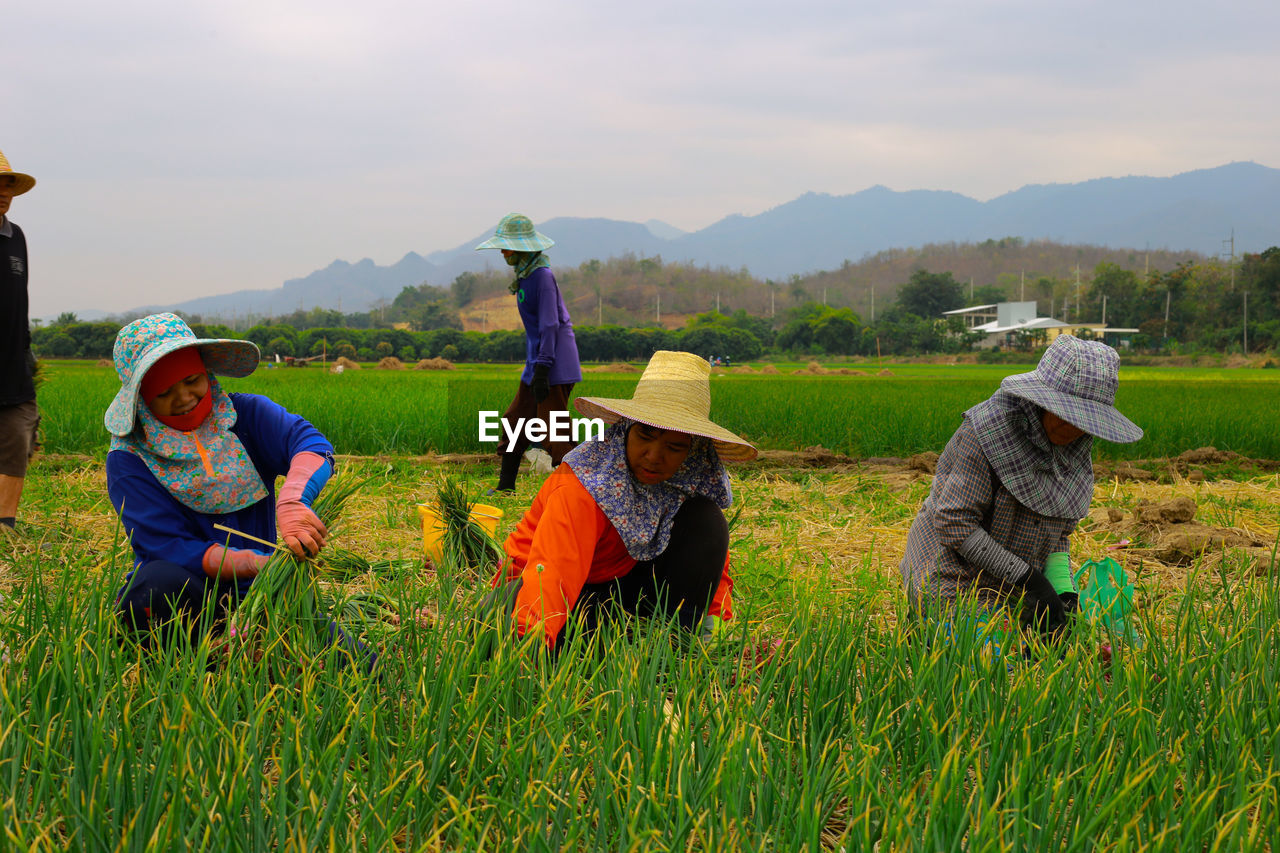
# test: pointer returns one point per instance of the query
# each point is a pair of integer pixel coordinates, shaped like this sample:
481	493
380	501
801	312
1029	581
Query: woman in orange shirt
636	520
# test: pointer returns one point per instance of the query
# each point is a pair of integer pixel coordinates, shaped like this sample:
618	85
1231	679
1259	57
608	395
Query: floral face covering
206	468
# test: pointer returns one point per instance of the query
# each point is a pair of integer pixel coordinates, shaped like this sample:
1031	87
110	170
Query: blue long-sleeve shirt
548	331
160	527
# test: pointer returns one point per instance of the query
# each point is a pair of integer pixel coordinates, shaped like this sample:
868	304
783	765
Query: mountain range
1196	211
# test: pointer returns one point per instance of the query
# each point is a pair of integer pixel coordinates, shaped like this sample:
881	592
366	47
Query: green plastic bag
1106	598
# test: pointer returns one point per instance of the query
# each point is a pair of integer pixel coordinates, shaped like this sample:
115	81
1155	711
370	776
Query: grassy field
857	733
916	409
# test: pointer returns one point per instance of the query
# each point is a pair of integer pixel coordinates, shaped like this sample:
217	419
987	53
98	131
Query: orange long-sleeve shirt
563	542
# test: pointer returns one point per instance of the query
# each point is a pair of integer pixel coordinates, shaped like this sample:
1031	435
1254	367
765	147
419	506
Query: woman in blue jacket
551	354
184	456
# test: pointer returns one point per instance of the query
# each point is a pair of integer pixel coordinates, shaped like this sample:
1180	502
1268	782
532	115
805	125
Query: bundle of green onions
339	564
465	545
286	592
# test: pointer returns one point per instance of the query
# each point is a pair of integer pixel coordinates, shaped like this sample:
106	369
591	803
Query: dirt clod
819	457
1180	510
1205	456
926	462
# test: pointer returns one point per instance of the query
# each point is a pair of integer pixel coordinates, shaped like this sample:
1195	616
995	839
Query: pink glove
229	564
301	529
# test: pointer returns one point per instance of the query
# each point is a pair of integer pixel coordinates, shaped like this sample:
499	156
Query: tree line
1196	304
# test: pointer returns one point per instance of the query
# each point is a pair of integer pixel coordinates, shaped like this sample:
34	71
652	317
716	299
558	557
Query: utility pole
772	309
1077	313
971	288
1104	310
1167	295
1022	294
824	297
599	309
657	312
1246	322
1231	260
717	302
873	306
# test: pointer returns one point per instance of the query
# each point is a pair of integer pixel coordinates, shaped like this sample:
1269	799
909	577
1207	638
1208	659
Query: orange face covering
168	371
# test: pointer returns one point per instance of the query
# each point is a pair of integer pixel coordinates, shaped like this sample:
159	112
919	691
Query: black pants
178	602
524	405
173	599
679	582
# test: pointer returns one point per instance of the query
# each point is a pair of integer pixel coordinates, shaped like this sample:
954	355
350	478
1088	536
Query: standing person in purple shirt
551	354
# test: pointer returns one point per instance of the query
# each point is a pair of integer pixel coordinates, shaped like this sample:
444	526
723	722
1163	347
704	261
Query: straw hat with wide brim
143	342
22	182
516	232
1077	380
674	393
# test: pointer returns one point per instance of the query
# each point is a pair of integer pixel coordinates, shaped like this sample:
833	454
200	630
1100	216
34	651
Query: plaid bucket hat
143	342
516	232
674	393
1076	380
22	182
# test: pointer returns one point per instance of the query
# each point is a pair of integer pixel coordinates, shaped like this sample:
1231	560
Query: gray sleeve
993	558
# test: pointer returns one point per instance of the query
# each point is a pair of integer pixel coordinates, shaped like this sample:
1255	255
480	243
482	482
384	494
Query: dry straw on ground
434	364
390	363
345	363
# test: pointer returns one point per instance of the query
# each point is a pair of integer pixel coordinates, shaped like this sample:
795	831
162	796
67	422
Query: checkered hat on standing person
1076	380
142	343
516	232
22	182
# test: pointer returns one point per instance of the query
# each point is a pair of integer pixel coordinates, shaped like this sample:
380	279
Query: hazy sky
195	147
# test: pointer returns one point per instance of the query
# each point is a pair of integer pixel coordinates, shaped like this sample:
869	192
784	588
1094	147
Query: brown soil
1180	510
926	462
1177	539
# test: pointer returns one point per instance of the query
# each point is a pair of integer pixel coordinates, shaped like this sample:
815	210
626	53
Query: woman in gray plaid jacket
1011	485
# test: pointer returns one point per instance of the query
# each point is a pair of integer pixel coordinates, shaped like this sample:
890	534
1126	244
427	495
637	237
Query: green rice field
373	411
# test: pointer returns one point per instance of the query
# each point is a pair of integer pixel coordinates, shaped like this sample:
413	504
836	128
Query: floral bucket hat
516	232
1076	380
143	342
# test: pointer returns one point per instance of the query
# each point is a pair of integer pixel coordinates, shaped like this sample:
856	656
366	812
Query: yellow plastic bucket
433	526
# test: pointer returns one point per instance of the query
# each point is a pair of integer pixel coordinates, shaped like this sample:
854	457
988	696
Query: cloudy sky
201	146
